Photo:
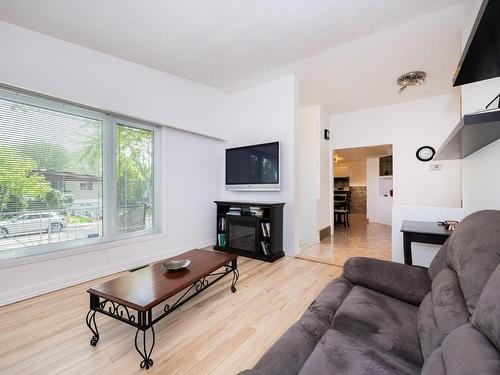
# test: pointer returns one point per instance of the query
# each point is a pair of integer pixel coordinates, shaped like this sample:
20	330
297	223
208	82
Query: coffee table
132	297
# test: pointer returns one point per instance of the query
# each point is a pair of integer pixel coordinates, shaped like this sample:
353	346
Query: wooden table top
425	227
149	286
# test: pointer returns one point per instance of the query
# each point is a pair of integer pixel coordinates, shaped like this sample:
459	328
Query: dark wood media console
259	237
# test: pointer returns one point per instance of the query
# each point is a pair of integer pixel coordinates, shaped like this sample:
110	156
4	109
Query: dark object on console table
422	232
386	318
131	298
254	236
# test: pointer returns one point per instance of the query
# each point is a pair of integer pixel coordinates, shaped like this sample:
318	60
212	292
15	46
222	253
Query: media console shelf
255	236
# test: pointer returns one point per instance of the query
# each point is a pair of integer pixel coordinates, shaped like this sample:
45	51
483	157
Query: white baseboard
50	286
379	222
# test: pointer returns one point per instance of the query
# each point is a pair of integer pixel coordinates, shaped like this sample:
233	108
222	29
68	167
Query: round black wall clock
425	153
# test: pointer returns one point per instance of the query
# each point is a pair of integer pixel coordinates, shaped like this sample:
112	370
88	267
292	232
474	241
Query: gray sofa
382	317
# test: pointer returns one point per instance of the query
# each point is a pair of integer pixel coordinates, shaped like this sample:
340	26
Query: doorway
362	192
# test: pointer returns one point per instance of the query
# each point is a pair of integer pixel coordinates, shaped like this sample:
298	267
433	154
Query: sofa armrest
401	281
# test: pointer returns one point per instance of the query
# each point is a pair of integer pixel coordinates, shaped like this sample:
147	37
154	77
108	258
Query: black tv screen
253	166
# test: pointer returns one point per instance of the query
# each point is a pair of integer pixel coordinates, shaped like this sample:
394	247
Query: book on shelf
265	248
234	211
256	211
222	224
246	211
221	240
266	229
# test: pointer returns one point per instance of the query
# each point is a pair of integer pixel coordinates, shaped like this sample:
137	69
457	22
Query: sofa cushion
474	252
448	303
486	317
442	310
465	351
289	353
292	349
434	364
439	262
381	322
337	353
426	327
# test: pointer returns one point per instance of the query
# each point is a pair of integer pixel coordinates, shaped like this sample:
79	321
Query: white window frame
111	237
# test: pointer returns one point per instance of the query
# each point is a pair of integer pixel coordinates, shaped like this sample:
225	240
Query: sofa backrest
459	273
486	317
472	348
474	253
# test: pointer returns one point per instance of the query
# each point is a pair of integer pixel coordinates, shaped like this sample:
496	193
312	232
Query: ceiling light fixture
411	79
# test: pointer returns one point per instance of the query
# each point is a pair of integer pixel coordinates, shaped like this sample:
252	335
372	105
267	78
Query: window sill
73	248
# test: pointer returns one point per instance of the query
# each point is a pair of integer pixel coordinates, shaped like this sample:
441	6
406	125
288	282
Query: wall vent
325	233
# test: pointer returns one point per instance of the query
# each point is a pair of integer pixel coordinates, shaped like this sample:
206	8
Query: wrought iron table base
144	352
143	320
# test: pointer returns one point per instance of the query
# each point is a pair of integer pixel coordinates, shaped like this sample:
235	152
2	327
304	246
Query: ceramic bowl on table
176	265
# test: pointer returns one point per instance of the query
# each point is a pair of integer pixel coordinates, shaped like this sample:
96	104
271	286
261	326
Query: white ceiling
236	44
363	73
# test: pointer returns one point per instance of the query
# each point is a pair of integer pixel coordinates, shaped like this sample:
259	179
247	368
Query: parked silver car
33	222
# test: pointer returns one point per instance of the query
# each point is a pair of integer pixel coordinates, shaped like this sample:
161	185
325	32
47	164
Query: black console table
423	232
259	237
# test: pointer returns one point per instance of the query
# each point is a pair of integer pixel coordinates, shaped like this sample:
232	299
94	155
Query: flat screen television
254	168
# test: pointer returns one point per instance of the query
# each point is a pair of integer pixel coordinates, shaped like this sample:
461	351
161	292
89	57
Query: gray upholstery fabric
367	321
381	322
328	301
337	353
439	262
434	365
448	304
442	311
474	252
487	314
290	352
464	352
426	327
407	283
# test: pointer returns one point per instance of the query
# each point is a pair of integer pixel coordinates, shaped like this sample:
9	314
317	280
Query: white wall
309	173
408	126
480	177
263	114
324	203
54	67
314	182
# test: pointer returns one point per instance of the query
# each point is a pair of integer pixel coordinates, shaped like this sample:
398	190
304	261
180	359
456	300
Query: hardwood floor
361	239
217	332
